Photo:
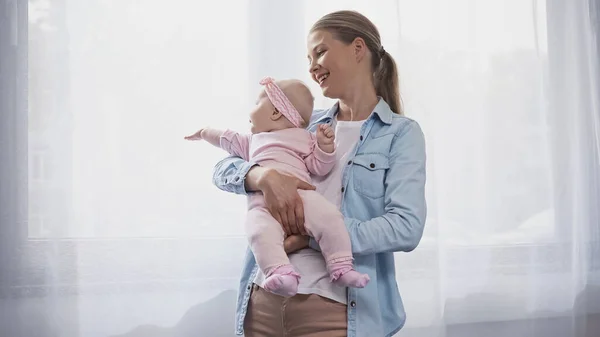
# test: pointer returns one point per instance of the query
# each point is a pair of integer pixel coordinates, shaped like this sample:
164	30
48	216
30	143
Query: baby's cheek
252	114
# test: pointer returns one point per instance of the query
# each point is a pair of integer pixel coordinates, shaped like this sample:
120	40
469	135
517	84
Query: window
124	223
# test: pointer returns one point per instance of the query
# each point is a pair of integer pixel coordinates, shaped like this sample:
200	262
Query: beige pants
270	315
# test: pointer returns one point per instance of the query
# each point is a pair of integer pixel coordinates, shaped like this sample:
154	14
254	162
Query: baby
279	140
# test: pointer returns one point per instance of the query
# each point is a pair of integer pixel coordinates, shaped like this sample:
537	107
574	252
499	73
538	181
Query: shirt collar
382	111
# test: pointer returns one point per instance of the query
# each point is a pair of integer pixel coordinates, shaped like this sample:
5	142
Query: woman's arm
230	175
401	227
280	191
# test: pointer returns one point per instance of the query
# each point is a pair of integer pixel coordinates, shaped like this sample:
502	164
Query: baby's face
260	116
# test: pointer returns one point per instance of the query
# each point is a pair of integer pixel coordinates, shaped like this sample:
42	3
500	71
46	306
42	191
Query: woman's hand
282	199
294	243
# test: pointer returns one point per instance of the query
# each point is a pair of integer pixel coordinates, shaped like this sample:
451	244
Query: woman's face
332	63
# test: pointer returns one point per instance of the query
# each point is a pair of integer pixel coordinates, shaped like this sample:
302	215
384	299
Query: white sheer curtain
123	233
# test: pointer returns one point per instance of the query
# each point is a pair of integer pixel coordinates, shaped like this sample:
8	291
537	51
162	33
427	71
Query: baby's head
267	117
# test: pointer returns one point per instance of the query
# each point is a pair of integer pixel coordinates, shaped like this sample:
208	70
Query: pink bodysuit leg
265	237
326	224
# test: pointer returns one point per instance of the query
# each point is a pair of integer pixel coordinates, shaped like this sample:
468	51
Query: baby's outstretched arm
235	143
213	136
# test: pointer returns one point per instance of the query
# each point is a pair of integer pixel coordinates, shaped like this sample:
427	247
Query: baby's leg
325	223
265	237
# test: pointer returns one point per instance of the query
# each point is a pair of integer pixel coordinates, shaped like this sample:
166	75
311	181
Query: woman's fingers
285	223
292	220
284	202
303	185
299	205
294	243
299	212
277	217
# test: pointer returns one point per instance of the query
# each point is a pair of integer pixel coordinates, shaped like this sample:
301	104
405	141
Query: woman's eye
320	52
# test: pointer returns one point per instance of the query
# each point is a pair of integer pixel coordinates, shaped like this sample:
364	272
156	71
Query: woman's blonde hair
346	26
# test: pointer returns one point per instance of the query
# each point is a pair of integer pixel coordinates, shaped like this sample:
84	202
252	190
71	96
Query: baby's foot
282	285
343	274
283	281
353	279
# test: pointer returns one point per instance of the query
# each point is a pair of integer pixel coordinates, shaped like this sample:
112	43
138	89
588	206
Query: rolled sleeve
229	174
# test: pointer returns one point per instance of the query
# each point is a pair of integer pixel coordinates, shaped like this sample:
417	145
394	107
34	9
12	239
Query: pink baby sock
343	274
283	281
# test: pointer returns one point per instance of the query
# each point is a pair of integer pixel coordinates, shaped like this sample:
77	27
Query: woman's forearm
230	174
253	178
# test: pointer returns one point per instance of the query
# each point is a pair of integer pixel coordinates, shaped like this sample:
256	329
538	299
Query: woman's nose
313	67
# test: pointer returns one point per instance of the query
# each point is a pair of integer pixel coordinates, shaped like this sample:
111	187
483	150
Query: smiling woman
338	28
378	225
109	221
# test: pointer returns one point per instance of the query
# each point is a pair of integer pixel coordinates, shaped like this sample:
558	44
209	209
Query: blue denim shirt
383	202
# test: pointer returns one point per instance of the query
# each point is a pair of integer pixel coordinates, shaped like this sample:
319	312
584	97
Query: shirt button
372	165
361	137
237	178
350	162
343	189
353	304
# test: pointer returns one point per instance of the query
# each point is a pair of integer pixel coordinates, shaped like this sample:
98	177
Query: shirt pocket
369	174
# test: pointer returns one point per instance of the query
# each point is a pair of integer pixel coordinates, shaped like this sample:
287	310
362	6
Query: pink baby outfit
293	151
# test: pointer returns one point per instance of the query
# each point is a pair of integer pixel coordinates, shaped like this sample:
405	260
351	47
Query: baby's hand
195	136
325	138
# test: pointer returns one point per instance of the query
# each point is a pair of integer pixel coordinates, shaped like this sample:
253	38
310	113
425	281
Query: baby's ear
276	115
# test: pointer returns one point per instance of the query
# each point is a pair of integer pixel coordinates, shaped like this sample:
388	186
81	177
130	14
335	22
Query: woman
378	183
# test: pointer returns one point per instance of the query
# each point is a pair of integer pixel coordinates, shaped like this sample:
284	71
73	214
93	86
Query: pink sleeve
236	144
318	161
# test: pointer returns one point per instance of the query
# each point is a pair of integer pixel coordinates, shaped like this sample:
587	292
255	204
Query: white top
308	262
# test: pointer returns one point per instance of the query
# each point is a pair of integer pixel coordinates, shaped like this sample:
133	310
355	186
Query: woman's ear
360	48
276	115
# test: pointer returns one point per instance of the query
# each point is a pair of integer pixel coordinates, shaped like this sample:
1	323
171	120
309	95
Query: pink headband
281	102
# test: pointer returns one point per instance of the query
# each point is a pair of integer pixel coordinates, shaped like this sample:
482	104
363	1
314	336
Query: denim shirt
383	203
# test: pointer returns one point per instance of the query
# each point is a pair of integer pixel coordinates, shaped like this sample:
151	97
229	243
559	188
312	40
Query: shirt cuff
323	156
239	180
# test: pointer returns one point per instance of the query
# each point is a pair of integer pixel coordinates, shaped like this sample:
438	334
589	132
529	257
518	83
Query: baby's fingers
195	136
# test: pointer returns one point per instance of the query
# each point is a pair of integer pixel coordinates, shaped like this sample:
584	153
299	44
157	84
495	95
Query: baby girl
279	140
